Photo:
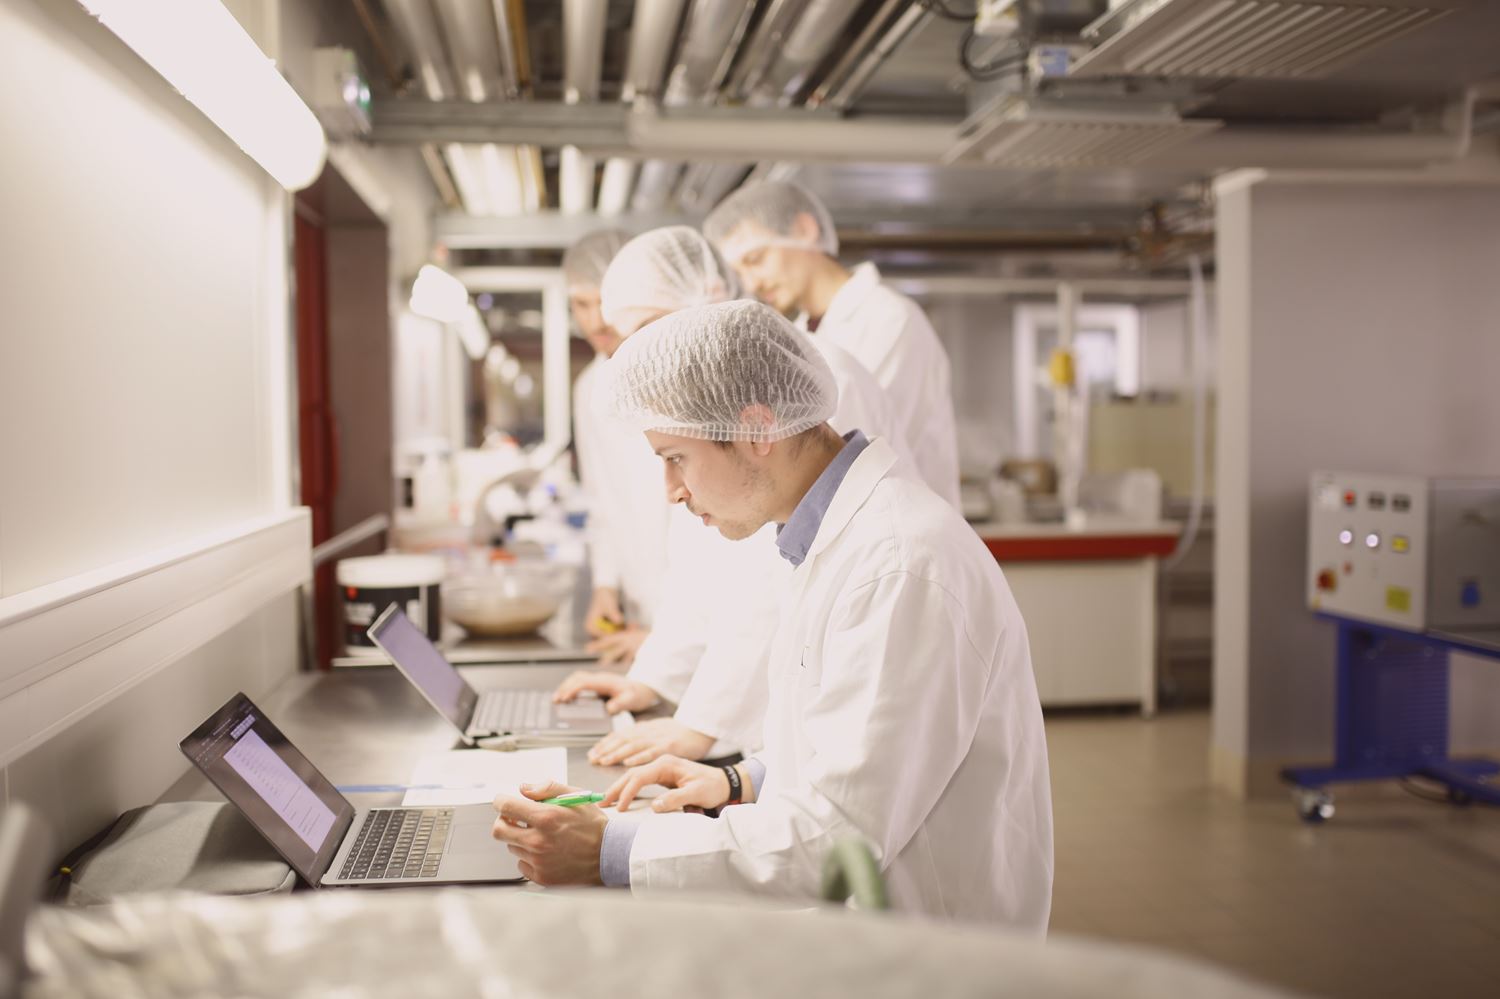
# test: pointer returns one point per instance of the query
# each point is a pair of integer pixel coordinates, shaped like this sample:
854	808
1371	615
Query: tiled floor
1393	897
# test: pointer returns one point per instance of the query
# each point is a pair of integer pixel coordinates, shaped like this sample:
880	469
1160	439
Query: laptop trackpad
471	847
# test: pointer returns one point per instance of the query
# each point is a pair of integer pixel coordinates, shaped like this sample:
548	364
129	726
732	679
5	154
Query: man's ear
759	417
806	228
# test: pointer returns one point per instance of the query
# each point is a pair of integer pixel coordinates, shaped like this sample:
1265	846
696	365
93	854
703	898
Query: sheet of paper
475	776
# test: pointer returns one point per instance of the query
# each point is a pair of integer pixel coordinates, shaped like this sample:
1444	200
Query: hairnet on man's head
771	209
663	270
584	264
734	371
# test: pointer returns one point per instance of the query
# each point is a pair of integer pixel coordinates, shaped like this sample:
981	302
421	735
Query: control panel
1410	552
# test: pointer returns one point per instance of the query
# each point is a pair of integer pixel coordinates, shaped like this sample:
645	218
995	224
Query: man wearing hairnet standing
942	768
718	603
627	524
781	240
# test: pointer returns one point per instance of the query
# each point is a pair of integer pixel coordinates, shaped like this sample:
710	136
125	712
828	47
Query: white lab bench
1088	595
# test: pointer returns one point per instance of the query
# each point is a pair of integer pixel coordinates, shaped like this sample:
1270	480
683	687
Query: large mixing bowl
509	598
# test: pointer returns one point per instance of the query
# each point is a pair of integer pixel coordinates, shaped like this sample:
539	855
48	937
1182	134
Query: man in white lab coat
903	708
718	604
627	523
781	240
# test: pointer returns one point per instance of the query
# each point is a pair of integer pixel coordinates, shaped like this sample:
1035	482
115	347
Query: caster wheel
1313	806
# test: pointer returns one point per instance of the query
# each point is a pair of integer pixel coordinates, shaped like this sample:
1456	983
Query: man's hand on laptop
645	741
620	693
553	844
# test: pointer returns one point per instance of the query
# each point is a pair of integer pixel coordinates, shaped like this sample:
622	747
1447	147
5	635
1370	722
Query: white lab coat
903	709
889	334
628	510
732	590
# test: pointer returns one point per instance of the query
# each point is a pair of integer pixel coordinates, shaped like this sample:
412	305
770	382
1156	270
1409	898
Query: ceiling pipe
583	65
710	38
653	32
583	49
885	33
471	48
415	20
802	49
760	48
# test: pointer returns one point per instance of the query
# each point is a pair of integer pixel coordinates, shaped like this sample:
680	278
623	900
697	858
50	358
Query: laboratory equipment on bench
1408	569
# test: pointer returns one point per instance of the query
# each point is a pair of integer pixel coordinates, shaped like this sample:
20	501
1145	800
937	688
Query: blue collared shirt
796	536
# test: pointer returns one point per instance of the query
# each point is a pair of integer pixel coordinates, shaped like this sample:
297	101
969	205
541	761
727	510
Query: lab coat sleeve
668	658
890	713
604	562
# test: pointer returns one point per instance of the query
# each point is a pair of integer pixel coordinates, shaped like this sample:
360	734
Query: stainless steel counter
369	726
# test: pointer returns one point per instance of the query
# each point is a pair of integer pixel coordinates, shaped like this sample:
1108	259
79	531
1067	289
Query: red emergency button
1328	580
1349	497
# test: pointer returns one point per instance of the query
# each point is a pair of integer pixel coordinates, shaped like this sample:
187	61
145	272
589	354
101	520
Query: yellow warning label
1397	598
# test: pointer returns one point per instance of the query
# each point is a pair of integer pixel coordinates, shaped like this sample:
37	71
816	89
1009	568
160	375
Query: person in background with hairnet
706	652
627	525
942	769
781	240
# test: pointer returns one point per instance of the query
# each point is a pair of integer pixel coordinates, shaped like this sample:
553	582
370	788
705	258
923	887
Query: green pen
577	798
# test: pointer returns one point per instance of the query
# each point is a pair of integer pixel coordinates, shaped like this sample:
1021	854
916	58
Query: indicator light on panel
1350	498
1400	544
1372	541
1346	537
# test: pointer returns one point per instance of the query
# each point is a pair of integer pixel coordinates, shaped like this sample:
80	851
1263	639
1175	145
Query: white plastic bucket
369	585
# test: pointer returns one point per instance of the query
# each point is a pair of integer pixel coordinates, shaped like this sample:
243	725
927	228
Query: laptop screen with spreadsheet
278	789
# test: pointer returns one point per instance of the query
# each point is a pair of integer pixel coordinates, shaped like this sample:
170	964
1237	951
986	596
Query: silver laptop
320	832
476	714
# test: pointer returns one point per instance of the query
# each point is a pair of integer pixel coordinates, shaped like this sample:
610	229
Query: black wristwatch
736	787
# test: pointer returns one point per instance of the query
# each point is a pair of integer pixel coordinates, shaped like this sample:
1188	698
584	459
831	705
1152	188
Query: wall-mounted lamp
198	47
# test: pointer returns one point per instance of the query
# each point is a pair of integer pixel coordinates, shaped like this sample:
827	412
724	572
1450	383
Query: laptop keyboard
399	843
513	711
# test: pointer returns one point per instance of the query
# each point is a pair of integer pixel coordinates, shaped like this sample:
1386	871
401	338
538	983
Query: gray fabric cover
570	945
199	846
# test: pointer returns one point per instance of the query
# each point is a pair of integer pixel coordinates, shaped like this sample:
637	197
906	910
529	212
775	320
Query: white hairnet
770	209
584	264
695	372
663	270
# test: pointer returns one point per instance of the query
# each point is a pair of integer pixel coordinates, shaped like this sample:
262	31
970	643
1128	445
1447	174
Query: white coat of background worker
781	240
903	707
627	522
718	605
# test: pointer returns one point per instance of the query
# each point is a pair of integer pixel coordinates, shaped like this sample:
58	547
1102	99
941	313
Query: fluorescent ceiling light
198	47
439	295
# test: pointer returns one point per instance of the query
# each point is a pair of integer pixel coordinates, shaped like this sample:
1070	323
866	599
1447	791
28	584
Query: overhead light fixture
436	294
199	48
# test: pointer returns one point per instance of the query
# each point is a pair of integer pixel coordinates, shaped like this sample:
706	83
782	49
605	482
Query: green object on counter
571	800
850	869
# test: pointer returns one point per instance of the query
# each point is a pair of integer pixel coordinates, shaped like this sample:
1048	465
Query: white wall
142	310
148	551
1360	329
976	332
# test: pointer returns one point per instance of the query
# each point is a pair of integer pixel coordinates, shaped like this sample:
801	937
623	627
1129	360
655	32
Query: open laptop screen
425	666
282	794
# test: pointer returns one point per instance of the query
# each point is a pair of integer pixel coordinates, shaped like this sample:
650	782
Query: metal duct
415	20
476	61
1234	39
654	187
653	32
615	185
885	33
801	49
760	49
704	185
583	48
712	35
511	51
1019	132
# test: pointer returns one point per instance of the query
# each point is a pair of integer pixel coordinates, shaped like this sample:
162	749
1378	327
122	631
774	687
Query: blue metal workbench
1392	715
